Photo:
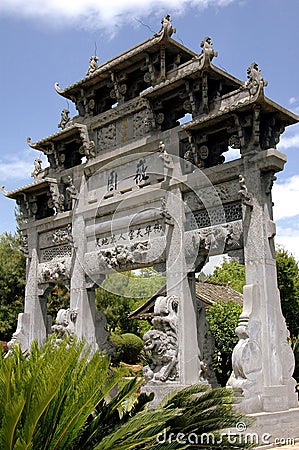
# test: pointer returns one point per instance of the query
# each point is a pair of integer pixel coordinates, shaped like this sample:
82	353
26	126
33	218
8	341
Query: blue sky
43	42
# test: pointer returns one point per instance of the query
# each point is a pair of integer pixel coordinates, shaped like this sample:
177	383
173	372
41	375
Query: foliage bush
223	320
128	347
12	284
59	398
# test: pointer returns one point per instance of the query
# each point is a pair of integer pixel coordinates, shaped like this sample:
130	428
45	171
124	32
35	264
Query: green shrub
127	348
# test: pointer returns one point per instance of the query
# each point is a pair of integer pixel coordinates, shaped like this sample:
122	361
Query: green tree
288	283
230	272
12	284
59	398
122	293
223	320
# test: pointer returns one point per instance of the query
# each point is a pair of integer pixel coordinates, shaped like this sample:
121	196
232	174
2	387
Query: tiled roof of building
208	292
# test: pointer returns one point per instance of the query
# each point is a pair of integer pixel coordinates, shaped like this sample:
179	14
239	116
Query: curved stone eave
38	145
112	63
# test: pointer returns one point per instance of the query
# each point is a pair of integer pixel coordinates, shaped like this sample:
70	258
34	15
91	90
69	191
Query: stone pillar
178	284
32	324
82	301
263	361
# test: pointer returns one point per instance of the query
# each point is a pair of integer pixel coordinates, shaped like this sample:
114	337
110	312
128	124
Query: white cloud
98	13
289	239
292	100
285	197
16	169
289	141
232	153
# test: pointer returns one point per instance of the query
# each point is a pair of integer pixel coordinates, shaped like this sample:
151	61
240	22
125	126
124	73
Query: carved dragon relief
58	269
162	341
123	256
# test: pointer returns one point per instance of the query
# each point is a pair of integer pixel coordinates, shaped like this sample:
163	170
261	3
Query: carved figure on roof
255	80
65	121
37	171
207	48
167	29
93	65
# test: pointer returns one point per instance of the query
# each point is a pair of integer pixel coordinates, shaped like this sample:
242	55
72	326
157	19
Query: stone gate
138	178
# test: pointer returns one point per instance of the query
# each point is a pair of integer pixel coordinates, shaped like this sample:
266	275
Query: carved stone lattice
54	252
214	216
162	341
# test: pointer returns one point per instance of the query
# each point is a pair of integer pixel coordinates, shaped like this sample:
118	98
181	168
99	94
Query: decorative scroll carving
38	172
24	245
88	147
62	235
246	196
255	80
93	65
234	142
65	323
71	189
162	342
122	256
119	90
54	271
65	121
106	137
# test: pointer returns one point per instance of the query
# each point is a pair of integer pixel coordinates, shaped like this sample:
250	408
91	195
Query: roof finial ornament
4	191
38	171
65	121
93	65
255	80
166	29
207	49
